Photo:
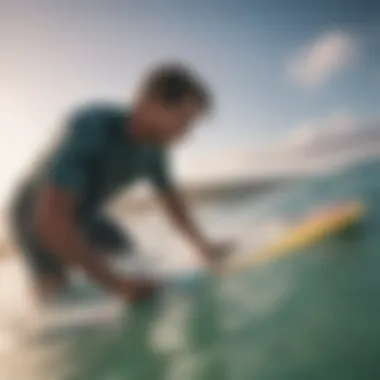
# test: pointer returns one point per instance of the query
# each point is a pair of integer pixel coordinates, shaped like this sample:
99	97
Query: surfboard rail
308	232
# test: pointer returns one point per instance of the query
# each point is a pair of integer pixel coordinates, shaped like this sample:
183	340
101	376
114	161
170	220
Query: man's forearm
189	228
183	220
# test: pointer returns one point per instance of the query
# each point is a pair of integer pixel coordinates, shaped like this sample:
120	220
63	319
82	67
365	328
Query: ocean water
312	315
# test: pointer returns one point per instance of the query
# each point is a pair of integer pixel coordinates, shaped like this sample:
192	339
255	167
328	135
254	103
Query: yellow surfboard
310	231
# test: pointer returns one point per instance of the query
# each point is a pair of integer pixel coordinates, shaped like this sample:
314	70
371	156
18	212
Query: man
57	215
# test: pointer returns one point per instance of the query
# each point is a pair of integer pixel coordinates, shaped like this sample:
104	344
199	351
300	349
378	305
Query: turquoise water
313	315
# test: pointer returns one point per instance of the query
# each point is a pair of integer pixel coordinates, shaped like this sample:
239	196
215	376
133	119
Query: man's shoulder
92	123
96	113
86	127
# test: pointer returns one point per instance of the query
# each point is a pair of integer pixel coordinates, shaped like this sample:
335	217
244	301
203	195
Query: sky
283	72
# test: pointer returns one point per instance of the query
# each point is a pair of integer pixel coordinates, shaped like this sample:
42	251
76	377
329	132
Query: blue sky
274	66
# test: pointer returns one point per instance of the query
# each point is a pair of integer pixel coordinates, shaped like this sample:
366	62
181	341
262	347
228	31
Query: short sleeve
83	142
160	175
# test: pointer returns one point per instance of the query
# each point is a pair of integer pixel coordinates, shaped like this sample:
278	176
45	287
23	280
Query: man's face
169	123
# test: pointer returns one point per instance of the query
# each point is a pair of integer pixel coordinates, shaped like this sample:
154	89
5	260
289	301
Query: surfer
57	213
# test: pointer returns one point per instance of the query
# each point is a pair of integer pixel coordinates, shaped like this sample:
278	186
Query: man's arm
56	227
174	204
179	213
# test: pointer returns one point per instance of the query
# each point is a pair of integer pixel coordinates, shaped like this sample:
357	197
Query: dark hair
174	82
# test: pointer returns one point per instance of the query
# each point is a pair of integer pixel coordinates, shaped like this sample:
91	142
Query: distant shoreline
206	193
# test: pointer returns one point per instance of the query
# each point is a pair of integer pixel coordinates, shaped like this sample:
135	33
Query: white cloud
300	150
315	63
311	146
318	131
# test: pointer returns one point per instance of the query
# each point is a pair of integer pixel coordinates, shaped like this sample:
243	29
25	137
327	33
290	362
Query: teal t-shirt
98	156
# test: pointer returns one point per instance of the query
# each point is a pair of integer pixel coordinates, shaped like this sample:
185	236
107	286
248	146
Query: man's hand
213	254
216	253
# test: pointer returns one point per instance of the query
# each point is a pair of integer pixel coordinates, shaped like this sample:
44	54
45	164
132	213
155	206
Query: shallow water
312	315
